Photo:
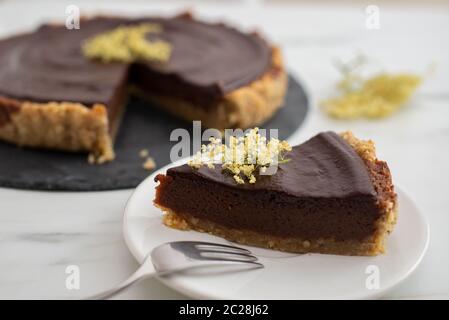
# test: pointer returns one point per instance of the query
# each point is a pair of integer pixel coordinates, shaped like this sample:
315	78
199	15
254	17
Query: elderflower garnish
127	44
375	97
243	157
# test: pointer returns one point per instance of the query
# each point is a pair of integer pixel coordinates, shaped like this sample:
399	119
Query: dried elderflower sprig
376	97
243	157
127	44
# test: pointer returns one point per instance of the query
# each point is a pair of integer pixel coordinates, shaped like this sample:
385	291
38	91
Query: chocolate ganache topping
207	61
325	166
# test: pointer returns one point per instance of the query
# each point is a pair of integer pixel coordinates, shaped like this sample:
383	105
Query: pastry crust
381	178
370	246
75	127
57	125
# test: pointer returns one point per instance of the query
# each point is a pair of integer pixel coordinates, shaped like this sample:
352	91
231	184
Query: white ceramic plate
285	276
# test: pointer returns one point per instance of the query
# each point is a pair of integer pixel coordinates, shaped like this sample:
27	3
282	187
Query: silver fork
180	256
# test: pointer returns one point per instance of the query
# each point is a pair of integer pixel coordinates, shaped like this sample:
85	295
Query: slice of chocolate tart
333	196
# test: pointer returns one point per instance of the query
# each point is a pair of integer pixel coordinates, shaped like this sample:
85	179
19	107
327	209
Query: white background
42	233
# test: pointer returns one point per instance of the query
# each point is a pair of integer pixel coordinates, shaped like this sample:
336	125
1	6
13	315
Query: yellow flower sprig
244	156
127	44
376	97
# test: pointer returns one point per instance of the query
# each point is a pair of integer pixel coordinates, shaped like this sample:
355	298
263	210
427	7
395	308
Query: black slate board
143	127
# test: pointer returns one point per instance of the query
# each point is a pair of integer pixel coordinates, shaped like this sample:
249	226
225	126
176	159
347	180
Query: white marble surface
42	233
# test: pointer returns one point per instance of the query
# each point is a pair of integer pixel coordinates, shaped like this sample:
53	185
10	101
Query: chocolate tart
52	96
333	196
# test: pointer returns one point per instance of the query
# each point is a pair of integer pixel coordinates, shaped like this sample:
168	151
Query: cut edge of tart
244	107
371	245
65	126
80	127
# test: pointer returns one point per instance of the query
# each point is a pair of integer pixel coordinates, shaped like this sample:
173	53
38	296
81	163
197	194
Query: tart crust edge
57	125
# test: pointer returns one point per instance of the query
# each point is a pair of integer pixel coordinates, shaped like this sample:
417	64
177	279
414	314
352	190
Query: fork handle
146	270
